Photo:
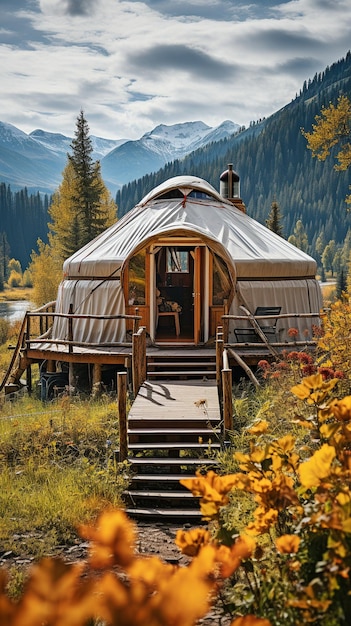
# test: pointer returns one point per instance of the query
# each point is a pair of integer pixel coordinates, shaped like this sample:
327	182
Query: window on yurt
221	281
177	260
137	278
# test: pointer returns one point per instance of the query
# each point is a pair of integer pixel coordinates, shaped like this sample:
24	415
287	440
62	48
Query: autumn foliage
289	562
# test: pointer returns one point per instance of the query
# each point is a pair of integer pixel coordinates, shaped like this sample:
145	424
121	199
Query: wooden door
197	295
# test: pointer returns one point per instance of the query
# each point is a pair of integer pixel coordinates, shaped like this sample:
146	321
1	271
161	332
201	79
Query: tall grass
59	467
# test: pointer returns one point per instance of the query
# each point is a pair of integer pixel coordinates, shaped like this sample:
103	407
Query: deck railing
45	316
226	351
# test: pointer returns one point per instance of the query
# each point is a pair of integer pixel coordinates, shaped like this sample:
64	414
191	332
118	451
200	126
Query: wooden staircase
177	367
174	429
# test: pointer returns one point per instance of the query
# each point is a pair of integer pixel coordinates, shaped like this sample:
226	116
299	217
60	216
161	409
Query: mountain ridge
121	160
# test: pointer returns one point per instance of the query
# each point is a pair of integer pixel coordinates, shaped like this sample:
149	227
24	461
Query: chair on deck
248	335
175	316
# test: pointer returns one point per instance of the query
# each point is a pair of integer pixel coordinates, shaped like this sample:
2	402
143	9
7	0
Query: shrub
4	330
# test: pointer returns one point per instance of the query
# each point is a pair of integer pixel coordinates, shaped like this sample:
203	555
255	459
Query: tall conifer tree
273	222
82	207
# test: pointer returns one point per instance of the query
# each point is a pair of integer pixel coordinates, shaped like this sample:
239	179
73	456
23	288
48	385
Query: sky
131	65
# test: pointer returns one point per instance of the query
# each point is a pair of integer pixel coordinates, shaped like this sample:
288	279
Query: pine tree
273	222
341	284
82	207
4	259
90	195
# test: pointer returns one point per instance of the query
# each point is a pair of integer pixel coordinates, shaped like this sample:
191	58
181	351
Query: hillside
273	163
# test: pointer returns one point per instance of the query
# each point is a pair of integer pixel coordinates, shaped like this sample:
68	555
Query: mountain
36	161
273	162
164	143
61	145
24	162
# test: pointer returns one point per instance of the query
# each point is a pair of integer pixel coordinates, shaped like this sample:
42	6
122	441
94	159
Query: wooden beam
244	366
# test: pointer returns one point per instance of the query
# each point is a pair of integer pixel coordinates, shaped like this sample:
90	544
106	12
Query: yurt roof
189	206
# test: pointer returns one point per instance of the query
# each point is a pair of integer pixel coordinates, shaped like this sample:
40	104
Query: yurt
182	257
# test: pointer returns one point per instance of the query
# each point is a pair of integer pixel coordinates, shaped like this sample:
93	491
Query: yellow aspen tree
46	271
332	128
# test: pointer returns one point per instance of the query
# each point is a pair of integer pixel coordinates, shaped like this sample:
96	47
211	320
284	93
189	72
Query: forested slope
273	163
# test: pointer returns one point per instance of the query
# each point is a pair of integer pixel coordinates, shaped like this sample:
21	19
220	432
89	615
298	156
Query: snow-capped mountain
36	161
163	144
60	144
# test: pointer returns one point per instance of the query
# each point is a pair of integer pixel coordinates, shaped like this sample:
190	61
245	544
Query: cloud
181	58
132	64
79	7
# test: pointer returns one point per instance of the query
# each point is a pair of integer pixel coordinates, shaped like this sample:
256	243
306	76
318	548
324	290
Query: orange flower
231	558
113	540
263	521
190	542
213	490
342	409
287	544
259	428
318	467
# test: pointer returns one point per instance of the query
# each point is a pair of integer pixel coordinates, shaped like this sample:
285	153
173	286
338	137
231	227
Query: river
14	310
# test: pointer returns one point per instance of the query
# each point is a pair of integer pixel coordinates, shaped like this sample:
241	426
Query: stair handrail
16	351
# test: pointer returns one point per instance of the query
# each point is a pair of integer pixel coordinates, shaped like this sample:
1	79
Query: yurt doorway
179	272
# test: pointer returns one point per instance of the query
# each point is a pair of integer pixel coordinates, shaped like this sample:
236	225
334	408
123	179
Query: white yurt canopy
264	269
253	250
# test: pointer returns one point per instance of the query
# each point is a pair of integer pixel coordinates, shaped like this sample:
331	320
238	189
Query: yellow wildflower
318	467
342	409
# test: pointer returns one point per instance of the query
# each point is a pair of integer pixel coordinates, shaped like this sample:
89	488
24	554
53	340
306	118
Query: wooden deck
169	400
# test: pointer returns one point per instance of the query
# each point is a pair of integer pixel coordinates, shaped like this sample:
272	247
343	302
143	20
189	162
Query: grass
16	294
58	469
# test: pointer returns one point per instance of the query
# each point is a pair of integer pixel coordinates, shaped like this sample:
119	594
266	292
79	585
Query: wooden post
29	379
135	363
96	379
51	366
27	334
70	329
138	359
219	359
122	414
227	385
143	367
136	321
225	329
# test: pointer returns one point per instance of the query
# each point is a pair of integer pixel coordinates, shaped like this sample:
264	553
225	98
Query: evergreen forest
24	219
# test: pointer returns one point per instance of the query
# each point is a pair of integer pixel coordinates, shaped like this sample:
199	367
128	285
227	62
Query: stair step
204	418
174	431
183	373
148	460
173	495
174	445
161	513
167	478
196	364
